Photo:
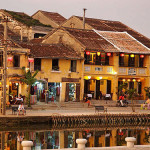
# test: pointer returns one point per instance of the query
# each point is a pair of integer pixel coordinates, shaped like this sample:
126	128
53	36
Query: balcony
97	69
132	71
14	71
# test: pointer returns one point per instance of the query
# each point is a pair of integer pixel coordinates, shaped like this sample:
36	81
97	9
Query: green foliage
132	93
29	79
122	88
147	90
25	19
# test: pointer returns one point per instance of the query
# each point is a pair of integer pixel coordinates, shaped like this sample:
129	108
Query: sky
134	13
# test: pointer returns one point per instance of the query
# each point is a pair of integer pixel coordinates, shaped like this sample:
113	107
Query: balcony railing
95	69
132	71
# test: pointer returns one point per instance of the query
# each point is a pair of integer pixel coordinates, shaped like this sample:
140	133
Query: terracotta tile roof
36	40
54	16
51	51
10	42
91	40
107	25
125	42
23	18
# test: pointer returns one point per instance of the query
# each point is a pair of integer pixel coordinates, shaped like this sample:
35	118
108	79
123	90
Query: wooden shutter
67	92
77	92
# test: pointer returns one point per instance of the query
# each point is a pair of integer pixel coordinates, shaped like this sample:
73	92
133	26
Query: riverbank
43	111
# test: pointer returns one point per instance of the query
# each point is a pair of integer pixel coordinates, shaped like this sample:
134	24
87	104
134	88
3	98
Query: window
141	60
121	60
73	65
37	64
55	64
16	61
131	61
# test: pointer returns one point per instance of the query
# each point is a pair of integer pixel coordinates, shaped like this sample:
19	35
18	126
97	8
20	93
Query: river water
53	138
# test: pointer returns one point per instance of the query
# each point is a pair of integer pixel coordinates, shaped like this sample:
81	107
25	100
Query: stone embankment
81	145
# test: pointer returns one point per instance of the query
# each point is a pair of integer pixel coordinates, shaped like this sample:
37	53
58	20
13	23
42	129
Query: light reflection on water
54	139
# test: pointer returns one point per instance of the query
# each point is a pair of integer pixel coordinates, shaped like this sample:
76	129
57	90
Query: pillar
81	143
27	145
130	141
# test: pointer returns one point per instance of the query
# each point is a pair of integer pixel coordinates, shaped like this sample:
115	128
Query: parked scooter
124	103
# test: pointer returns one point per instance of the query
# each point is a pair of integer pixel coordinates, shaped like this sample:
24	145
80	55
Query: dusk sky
134	13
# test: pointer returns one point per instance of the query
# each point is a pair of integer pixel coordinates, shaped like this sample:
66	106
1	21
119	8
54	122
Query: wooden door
108	86
77	92
97	89
67	92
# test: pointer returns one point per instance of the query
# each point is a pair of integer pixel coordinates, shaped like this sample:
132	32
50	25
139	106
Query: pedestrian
21	108
121	99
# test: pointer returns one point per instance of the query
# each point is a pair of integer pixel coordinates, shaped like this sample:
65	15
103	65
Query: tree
131	94
29	79
147	90
122	88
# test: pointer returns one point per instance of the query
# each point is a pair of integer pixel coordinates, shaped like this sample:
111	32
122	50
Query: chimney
84	9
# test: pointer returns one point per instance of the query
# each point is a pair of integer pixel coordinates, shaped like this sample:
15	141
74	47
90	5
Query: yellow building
17	57
111	58
60	70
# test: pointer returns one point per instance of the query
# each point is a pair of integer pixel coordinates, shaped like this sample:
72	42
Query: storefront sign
131	71
98	68
70	79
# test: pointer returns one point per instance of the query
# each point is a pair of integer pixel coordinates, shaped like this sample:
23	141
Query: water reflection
55	139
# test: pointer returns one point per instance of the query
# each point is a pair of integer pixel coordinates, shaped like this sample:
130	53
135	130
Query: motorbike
125	103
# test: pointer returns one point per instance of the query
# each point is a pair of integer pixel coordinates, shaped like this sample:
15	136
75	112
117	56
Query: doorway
108	86
97	89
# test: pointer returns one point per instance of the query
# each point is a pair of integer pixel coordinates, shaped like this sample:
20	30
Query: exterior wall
66	39
56	76
114	73
75	22
45	20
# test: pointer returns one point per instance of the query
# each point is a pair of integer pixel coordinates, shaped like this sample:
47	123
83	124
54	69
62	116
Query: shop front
97	87
53	91
72	91
38	90
134	83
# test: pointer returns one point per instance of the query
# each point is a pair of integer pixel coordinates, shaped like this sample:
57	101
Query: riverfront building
24	26
110	58
17	57
73	61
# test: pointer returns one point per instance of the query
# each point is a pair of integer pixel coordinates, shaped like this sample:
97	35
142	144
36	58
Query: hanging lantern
132	55
98	53
122	54
31	60
87	53
123	80
133	80
141	56
108	54
10	58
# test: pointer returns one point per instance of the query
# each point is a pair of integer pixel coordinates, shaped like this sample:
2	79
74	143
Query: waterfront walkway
76	109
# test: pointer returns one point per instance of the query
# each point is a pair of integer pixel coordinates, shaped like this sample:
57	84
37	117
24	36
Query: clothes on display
38	89
72	91
54	91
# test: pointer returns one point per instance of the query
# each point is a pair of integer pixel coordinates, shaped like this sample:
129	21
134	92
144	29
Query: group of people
146	104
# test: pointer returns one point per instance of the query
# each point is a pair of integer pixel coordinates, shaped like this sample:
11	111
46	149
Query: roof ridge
97	19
